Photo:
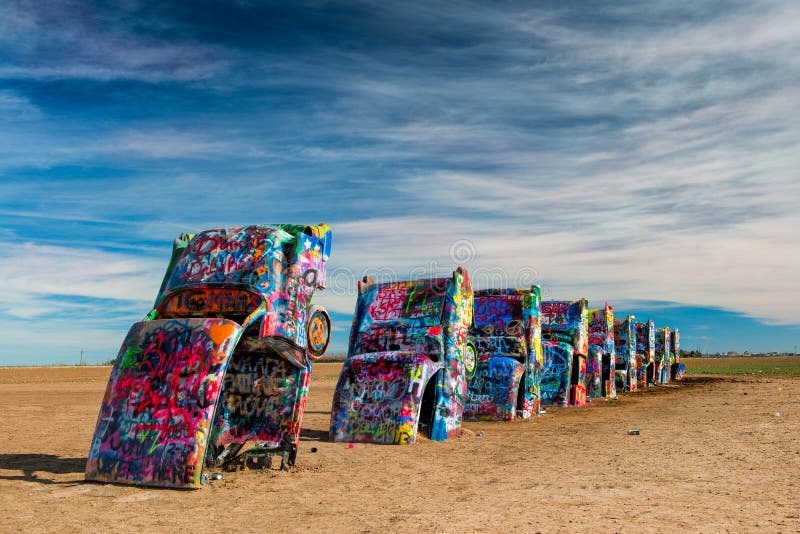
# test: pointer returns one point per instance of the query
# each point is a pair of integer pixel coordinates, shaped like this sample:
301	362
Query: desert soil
713	455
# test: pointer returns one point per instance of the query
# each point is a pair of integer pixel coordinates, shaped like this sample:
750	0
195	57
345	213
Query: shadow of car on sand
33	466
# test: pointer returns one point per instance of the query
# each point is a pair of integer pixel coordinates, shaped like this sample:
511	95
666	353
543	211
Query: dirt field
713	455
788	366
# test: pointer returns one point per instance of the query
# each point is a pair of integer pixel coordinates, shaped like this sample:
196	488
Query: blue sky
644	154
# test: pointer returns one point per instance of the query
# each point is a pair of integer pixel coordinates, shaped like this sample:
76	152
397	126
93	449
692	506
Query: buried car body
600	363
224	357
408	362
625	373
677	369
645	352
508	338
661	368
565	342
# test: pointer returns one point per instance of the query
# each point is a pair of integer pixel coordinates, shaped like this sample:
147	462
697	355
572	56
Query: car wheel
470	361
319	334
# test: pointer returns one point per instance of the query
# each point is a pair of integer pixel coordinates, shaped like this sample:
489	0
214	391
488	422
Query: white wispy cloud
746	270
15	107
58	300
70	40
625	152
32	272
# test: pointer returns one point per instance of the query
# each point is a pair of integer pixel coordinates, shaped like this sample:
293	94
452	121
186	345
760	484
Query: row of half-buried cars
217	374
426	354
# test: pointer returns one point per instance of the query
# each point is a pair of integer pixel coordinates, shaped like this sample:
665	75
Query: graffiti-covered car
645	352
408	362
661	363
600	361
508	339
625	369
565	342
223	359
677	369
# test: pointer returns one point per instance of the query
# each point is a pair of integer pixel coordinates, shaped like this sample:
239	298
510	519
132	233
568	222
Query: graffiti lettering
159	400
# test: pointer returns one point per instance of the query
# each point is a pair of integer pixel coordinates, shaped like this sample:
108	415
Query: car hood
378	397
156	415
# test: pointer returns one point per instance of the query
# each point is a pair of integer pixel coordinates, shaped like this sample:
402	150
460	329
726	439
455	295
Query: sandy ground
712	456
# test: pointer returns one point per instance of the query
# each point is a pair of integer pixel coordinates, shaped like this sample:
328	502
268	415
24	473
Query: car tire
318	332
470	361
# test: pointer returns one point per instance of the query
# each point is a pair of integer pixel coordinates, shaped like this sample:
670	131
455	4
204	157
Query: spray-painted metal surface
154	422
625	374
223	358
508	339
661	367
408	362
645	352
601	360
565	342
677	368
